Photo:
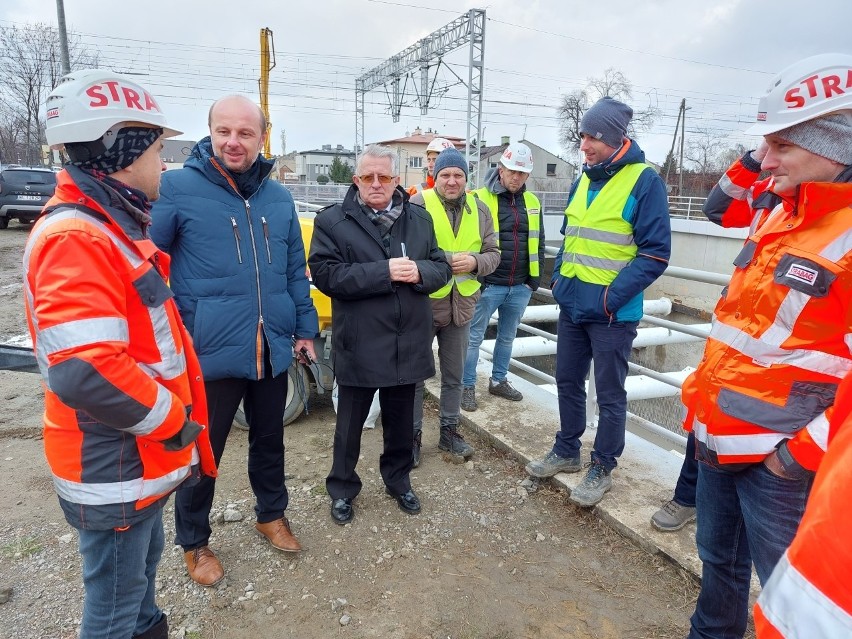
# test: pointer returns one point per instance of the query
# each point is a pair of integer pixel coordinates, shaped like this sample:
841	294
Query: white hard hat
87	103
439	144
517	157
808	89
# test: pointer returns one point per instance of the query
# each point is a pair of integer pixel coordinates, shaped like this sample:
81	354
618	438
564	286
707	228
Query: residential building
550	172
310	164
411	153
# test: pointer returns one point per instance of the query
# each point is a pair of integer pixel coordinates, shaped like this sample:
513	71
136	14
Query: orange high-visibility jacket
414	189
119	371
782	334
808	594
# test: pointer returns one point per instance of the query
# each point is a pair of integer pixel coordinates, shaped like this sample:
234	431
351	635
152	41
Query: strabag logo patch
802	273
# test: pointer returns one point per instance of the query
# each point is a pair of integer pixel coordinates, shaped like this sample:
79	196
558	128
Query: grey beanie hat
607	121
449	157
829	136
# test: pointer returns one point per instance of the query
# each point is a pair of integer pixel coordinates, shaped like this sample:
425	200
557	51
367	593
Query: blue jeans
684	493
744	517
119	570
577	345
510	302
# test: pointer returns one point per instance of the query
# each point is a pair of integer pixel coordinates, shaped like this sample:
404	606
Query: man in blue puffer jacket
617	242
238	272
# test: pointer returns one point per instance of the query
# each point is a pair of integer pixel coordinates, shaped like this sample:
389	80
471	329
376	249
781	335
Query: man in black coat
376	256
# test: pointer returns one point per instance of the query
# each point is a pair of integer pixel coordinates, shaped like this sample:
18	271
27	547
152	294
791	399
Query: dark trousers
395	462
263	403
684	493
577	345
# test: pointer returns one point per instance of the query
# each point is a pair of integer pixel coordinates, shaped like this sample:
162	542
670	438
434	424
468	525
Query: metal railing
551	201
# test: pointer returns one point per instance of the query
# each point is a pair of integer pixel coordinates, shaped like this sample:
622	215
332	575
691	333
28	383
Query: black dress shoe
408	501
342	511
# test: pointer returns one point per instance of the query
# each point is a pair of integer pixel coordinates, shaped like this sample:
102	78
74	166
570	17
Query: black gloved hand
184	437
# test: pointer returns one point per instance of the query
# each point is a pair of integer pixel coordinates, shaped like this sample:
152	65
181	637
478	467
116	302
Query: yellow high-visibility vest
533	207
598	240
468	240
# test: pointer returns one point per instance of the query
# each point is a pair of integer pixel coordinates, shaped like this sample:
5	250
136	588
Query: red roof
425	139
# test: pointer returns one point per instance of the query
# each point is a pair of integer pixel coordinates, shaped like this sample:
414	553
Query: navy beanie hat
447	158
607	121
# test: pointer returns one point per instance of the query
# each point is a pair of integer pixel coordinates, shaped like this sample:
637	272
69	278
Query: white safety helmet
439	144
88	103
517	157
808	89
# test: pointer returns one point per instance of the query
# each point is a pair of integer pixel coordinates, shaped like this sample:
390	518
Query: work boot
159	630
505	390
594	485
468	402
454	443
203	566
552	464
418	445
672	516
278	534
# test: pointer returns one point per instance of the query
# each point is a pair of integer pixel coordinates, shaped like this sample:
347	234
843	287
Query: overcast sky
719	56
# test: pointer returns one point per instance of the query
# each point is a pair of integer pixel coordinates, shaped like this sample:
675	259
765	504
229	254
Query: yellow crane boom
267	63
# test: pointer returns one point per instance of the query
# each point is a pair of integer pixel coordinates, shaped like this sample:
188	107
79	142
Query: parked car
23	193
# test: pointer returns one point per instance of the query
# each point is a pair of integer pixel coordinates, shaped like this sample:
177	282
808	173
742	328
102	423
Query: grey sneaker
552	464
672	516
454	443
468	402
504	389
594	485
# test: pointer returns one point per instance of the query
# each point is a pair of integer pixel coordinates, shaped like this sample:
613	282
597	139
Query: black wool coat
381	330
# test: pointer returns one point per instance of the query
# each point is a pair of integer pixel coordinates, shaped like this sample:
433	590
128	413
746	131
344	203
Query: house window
493	165
551	169
415	162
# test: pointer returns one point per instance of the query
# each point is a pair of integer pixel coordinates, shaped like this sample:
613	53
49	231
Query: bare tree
30	64
575	104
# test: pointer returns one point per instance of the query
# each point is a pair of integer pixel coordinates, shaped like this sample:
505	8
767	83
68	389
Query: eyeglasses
368	179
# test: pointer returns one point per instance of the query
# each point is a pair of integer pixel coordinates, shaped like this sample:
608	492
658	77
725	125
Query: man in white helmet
520	233
761	399
617	242
432	150
125	413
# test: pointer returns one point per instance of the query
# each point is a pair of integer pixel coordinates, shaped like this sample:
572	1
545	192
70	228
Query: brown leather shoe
279	535
203	566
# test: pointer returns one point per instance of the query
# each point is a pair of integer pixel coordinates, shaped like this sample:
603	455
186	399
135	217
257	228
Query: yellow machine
322	302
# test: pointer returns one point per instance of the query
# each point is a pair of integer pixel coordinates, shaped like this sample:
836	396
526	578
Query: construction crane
267	63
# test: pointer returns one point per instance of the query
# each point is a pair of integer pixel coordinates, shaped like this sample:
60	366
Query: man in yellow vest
520	232
465	232
617	242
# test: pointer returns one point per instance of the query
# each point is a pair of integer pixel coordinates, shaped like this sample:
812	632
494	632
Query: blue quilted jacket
238	266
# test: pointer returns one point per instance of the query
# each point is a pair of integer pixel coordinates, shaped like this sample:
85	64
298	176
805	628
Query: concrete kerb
644	480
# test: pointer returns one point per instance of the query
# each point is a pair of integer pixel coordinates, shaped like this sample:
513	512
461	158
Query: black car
24	192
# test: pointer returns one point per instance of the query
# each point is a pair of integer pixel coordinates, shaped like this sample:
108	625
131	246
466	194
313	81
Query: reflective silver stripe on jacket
120	492
800	610
768	354
594	262
732	190
610	237
818	430
754	444
82	332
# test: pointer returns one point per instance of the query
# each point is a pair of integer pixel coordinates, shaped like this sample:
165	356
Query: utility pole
63	37
682	136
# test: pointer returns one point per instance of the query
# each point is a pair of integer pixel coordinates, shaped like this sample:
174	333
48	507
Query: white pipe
651	336
643	387
550	312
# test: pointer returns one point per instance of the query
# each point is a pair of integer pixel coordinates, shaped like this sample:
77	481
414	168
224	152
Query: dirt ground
491	556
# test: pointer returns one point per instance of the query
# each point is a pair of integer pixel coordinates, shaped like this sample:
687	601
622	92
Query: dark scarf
248	182
384	220
140	206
